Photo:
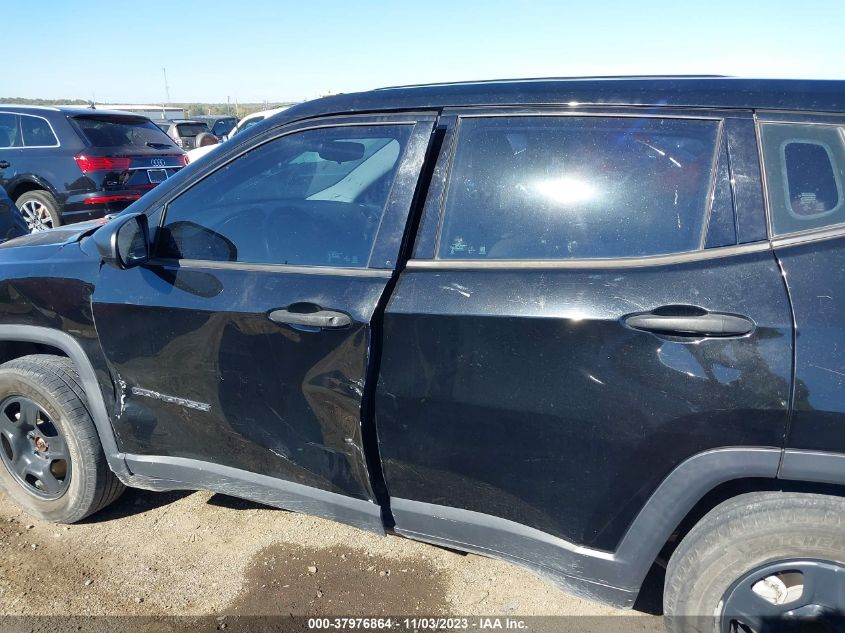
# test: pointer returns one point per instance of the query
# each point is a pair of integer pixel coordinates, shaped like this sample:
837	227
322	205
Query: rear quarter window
37	132
578	187
804	175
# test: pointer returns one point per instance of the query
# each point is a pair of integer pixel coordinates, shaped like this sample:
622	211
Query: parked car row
68	164
221	126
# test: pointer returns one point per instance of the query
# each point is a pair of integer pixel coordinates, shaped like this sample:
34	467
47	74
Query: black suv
593	327
220	125
66	164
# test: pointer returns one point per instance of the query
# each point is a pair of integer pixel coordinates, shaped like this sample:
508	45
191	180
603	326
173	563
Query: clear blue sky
257	50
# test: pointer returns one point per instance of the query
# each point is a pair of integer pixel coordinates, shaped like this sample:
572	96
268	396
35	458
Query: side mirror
125	241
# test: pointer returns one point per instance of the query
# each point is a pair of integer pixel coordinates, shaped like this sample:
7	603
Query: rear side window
10	135
121	131
804	175
311	198
37	132
578	187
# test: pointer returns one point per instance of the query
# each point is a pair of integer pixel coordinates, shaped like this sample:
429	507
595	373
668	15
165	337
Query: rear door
246	342
804	163
584	311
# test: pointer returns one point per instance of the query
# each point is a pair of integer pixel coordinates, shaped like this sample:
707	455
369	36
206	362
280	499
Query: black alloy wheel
32	449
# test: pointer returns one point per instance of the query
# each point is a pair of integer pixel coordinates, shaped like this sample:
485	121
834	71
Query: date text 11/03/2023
417	624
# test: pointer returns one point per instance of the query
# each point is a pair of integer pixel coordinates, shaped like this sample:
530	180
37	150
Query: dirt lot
159	554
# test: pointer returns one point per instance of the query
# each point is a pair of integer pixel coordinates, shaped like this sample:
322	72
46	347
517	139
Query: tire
88	485
204	138
40	210
740	543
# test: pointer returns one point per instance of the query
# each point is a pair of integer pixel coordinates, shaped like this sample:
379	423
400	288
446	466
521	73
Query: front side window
311	198
37	132
804	175
577	187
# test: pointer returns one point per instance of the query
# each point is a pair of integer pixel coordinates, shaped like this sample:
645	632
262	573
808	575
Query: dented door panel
213	378
210	364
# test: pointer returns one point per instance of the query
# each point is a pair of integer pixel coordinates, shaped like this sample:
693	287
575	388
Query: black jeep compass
66	164
593	327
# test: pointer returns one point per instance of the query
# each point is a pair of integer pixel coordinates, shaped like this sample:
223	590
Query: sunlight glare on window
566	189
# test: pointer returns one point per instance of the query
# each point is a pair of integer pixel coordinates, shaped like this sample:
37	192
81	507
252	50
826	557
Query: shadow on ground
135	501
234	503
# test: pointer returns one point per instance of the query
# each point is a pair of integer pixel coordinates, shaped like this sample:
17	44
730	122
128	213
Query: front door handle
4	164
662	321
310	315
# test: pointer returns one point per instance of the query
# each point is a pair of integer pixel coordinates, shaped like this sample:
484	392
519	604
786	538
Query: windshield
120	131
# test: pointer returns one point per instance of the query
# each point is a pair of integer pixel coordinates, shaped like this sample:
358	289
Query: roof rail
534	79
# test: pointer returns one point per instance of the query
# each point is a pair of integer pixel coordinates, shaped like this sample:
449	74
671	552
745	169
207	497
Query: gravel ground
202	554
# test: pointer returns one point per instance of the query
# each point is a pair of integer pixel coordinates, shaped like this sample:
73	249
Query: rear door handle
4	164
706	324
310	315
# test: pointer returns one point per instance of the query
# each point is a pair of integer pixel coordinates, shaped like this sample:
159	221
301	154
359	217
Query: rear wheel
771	561
40	210
51	462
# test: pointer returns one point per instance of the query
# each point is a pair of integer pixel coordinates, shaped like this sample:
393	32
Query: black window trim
705	254
293	269
616	262
20	116
391	119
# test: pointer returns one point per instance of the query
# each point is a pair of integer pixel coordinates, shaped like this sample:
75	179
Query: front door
245	342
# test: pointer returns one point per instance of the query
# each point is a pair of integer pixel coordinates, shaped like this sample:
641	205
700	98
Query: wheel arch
808	472
30	183
20	338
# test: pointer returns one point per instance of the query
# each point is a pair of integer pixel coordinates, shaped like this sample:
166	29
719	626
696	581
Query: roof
690	92
130	107
203	117
73	110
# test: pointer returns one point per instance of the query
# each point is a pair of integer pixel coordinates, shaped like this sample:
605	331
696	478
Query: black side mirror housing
125	241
